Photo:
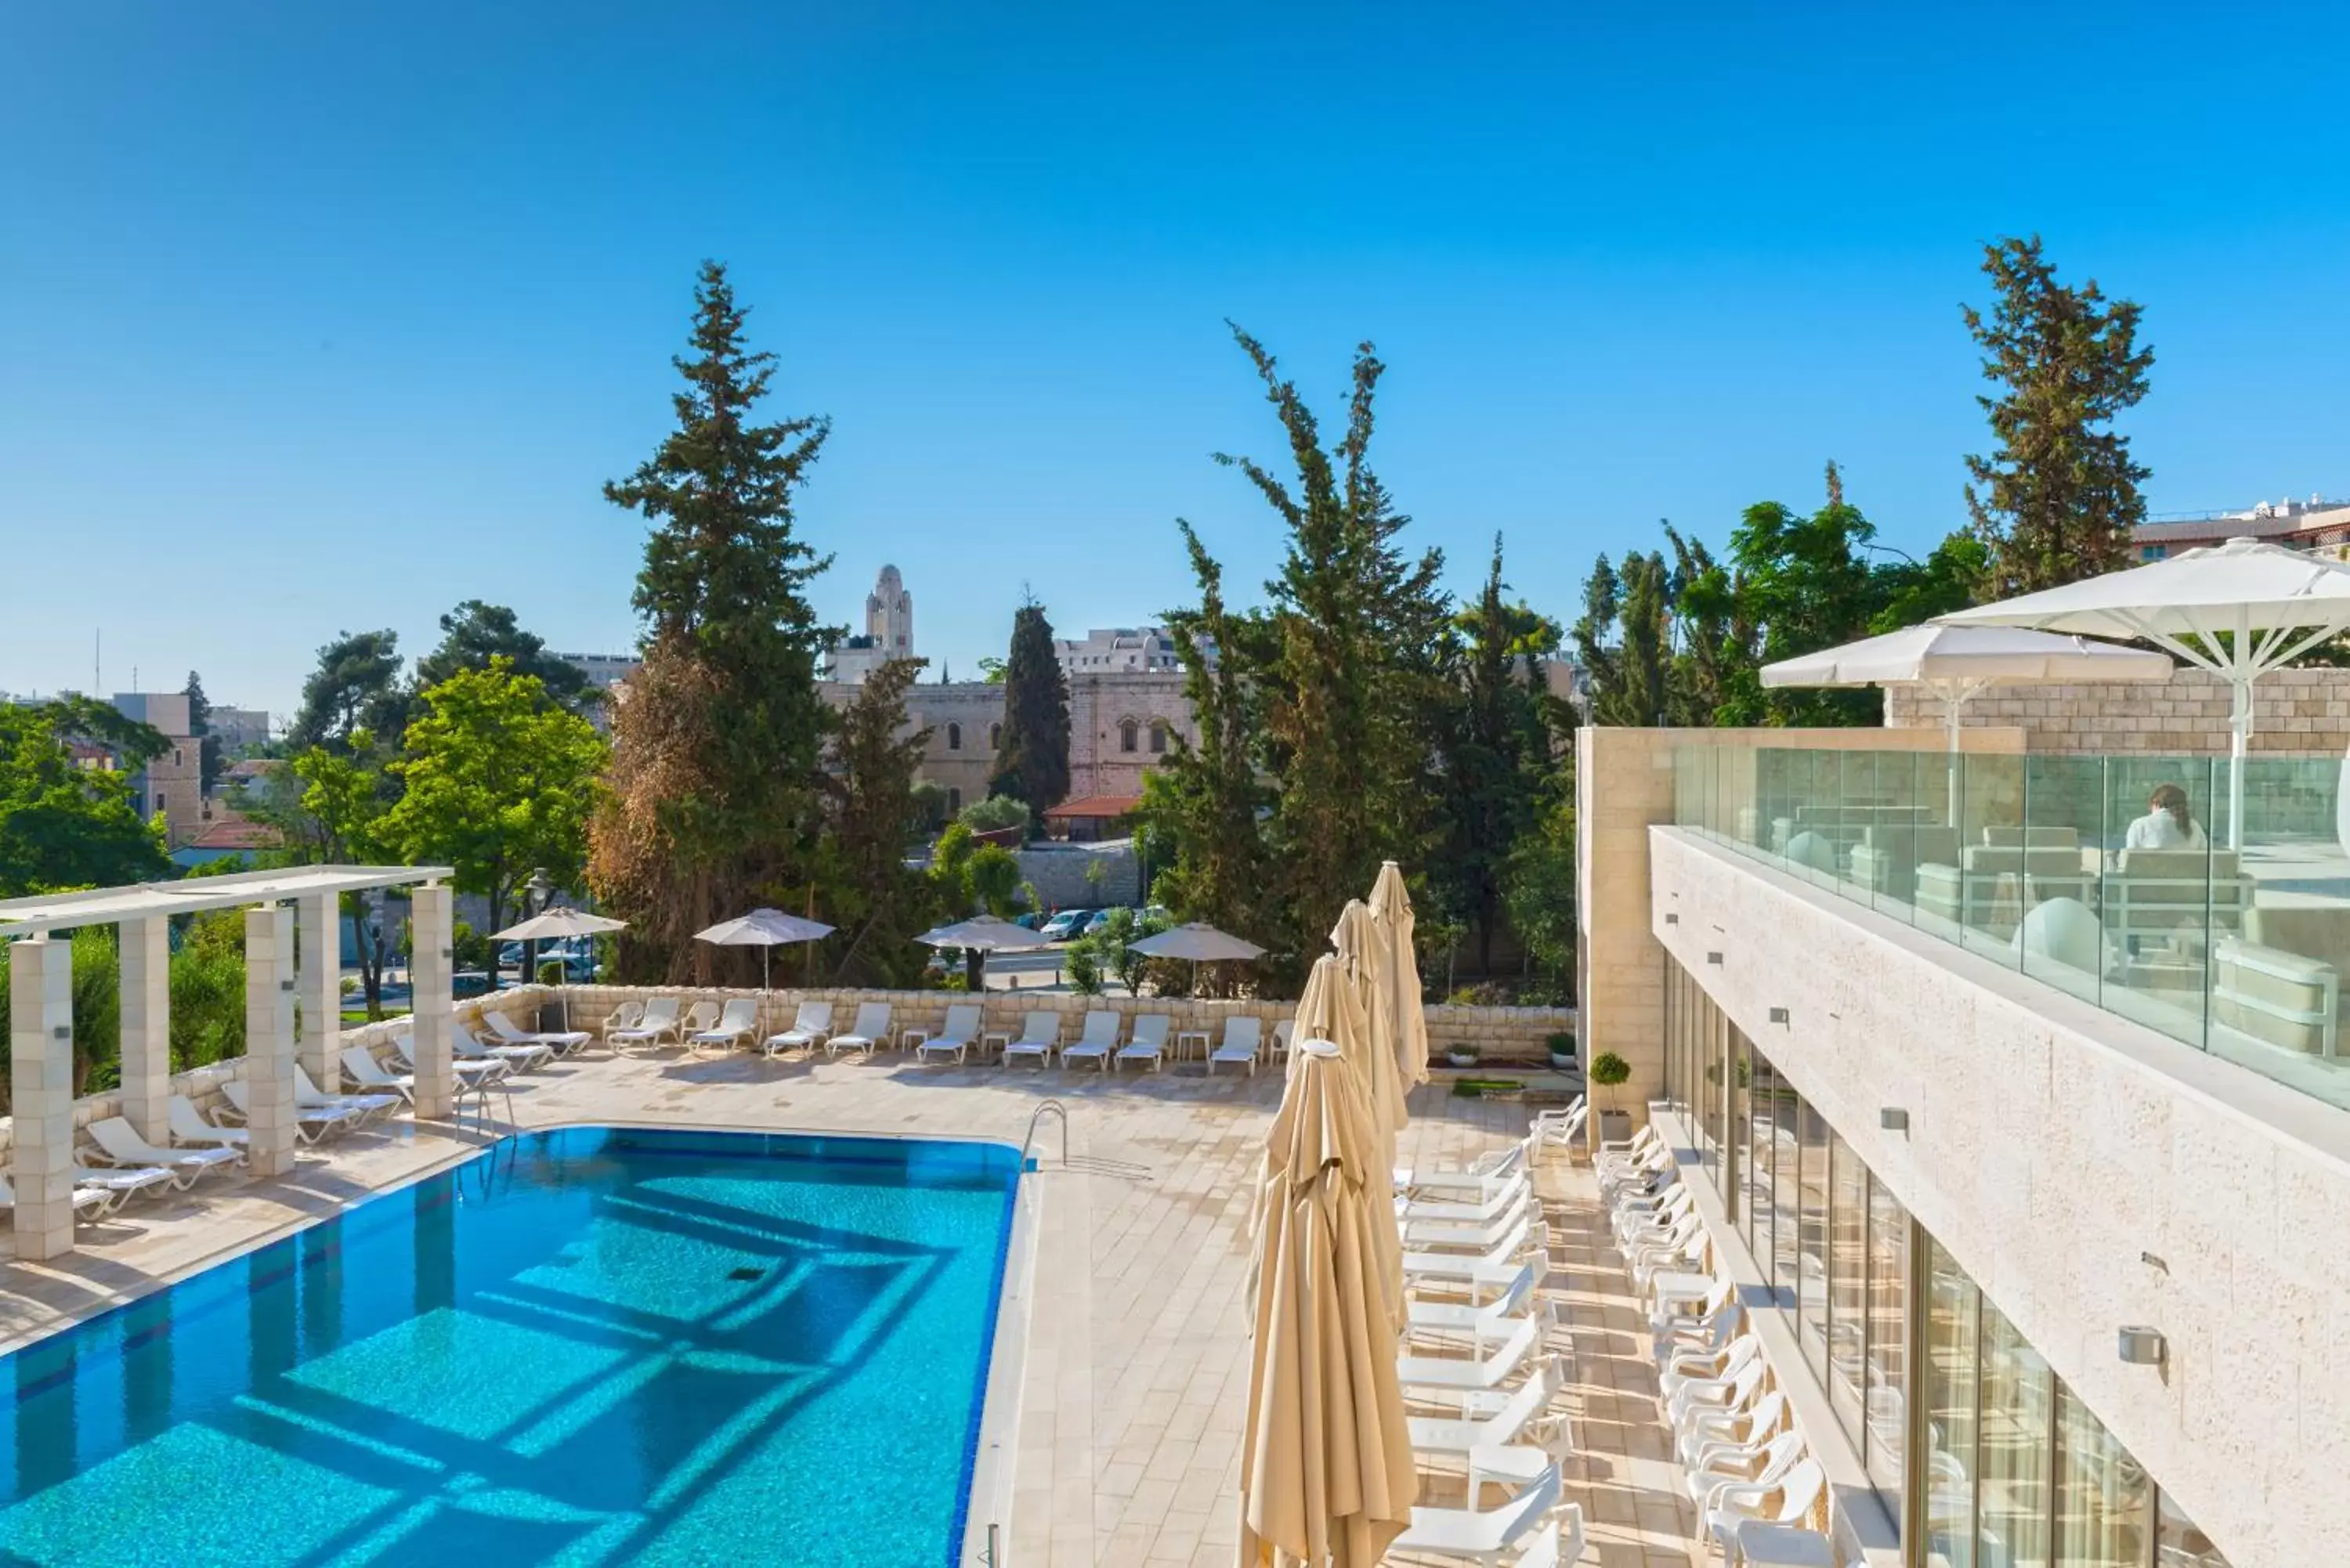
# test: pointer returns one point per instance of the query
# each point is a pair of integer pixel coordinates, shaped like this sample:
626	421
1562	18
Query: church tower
890	616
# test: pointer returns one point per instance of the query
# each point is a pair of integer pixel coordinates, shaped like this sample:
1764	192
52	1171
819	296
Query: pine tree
357	686
474	633
200	726
1033	764
2059	495
873	814
714	797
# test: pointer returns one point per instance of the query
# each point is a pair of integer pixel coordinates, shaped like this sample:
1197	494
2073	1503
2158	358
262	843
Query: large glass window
1812	1248
1786	1190
1738	1159
2012	1440
2102	1500
1889	1341
1762	1151
1947	1390
1847	1373
2178	1544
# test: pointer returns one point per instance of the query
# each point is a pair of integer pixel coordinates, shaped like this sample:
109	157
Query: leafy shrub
1608	1069
993	814
1085	968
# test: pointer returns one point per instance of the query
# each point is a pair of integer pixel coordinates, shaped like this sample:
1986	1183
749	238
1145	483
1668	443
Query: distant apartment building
239	728
1119	650
2315	526
171	784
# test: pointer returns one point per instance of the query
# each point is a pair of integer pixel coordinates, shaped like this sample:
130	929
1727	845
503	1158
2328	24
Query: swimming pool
592	1345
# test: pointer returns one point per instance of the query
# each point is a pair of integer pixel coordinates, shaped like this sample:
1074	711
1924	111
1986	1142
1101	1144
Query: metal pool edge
987	1512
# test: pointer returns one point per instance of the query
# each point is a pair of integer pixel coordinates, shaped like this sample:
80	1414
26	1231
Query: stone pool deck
1138	1358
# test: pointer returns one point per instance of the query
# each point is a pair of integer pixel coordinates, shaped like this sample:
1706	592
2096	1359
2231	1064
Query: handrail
1054	1107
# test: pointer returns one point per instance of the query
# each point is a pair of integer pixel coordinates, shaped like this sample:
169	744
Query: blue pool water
586	1347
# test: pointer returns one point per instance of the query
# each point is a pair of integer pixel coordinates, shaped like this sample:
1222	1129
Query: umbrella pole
1951	700
2240	727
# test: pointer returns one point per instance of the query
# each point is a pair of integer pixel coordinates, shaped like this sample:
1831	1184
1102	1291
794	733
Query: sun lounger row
1483	1346
1148	1039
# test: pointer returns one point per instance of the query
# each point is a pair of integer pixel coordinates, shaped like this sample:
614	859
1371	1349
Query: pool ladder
1125	1170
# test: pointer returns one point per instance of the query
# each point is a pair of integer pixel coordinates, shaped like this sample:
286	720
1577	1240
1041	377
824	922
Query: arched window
1158	739
955	800
995	737
1128	734
954	737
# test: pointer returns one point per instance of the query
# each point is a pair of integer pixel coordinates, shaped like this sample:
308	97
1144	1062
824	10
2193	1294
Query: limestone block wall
2087	1172
2294	711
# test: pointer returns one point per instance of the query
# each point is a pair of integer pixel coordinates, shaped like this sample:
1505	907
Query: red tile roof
1106	806
236	833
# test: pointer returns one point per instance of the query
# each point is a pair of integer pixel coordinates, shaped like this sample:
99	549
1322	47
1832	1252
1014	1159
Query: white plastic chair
1147	1042
1094	1041
1243	1038
1496	1420
1497	1262
866	1031
737	1022
1479	1370
119	1143
185	1125
1484	1535
957	1037
808	1029
656	1022
1789	1500
367	1074
1040	1036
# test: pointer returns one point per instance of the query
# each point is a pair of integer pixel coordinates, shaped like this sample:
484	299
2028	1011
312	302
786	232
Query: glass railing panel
1859	803
2159	860
1976	898
2054	862
1883	860
2279	923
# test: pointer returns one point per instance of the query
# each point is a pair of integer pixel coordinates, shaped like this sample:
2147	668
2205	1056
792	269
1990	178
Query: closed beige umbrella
1355	942
1399	975
1327	1473
1331	1010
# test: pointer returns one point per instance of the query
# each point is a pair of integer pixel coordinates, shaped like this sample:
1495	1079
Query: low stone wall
1500	1033
2293	710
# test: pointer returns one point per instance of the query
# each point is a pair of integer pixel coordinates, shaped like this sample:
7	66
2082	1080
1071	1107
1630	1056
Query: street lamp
536	893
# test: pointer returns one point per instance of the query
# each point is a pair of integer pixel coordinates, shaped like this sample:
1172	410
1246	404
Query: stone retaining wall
2293	710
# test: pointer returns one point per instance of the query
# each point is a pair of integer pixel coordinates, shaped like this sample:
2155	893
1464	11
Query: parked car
1100	919
1028	919
1066	925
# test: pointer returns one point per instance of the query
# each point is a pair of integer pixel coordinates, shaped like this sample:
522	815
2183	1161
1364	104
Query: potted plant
1608	1070
1562	1050
1461	1055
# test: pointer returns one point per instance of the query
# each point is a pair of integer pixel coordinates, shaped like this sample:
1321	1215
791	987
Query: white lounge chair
1244	1033
519	1058
1486	1535
957	1037
1481	1211
473	1072
310	1097
369	1075
738	1021
124	1180
865	1033
311	1122
808	1030
1147	1042
562	1041
1480	1370
1040	1036
1479	1176
1282	1032
1095	1042
1465	1317
655	1023
1502	1259
1496	1420
1476	1238
89	1202
119	1143
181	1120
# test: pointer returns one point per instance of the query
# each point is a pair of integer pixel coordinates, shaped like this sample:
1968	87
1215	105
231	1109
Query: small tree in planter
1461	1055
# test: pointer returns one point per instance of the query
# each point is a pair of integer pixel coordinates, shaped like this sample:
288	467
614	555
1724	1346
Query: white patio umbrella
2238	609
1196	942
1960	662
553	925
1327	1473
766	930
982	933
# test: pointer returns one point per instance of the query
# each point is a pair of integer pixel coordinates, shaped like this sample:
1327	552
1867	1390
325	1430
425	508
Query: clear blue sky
313	319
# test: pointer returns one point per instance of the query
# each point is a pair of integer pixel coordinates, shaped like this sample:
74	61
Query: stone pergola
276	903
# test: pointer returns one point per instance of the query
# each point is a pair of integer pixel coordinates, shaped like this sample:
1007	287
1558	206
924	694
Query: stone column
429	977
147	1025
319	984
41	1044
269	1038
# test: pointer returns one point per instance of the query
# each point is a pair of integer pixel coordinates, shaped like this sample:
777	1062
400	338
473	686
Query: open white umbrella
766	930
1326	1472
982	933
2238	609
1198	941
1960	662
554	925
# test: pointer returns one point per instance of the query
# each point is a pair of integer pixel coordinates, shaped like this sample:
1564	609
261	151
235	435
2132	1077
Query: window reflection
1847	1286
2012	1504
1811	1252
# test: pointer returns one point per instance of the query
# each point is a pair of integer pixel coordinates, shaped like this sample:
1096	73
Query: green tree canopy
200	725
498	783
64	826
357	686
714	790
2058	497
1033	764
474	633
878	903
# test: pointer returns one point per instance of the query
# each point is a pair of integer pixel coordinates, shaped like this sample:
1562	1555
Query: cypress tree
2059	494
1034	764
714	802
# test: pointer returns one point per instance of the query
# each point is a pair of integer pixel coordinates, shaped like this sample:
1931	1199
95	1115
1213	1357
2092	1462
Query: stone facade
2293	711
2087	1172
